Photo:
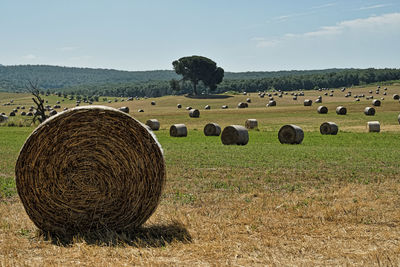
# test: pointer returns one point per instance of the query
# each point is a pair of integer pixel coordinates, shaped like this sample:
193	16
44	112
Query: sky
239	35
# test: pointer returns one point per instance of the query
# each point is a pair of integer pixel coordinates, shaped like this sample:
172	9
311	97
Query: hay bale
290	134
318	100
224	107
29	114
235	135
328	128
242	105
12	114
271	103
340	110
188	108
396	97
307	102
140	110
3	118
251	124
369	111
194	113
99	170
374	126
153	103
376	102
178	130
398	118
322	110
179	106
207	107
23	113
212	129
124	109
295	98
153	124
248	100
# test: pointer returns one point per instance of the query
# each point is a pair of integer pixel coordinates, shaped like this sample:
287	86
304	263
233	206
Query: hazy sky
239	35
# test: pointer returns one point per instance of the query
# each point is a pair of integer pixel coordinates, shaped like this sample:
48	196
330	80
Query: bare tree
40	114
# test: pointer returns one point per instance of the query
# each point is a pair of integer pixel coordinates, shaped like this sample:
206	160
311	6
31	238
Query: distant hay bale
224	107
99	170
12	114
153	124
396	97
235	135
140	110
398	118
3	118
376	102
124	109
179	106
307	102
248	100
329	128
318	100
295	98
322	110
207	107
23	113
374	126
340	110
271	103
194	113
153	103
212	129
178	130
188	108
251	124
369	111
290	134
242	105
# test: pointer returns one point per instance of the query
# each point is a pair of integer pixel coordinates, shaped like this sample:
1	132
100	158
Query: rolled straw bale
12	114
248	100
178	130
99	170
179	106
374	126
340	110
224	107
194	113
30	114
140	110
251	124
398	118
243	105
290	134
271	103
207	107
307	102
124	109
3	118
318	100
235	135
396	97
212	129
295	98
328	128
188	108
369	111
153	124
376	102
322	110
23	113
153	103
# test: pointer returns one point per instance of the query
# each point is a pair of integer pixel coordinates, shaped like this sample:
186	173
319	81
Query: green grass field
332	200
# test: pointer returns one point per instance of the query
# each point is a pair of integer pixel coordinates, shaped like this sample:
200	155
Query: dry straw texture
90	169
235	135
290	134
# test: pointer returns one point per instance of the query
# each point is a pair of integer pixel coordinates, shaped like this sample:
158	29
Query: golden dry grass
276	209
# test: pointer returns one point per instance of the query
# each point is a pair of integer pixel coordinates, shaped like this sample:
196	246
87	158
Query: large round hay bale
178	130
153	124
369	111
376	102
396	97
235	135
374	126
329	128
103	171
307	102
290	134
322	110
194	113
212	129
340	110
251	124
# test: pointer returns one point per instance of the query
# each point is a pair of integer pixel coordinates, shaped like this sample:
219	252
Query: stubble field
332	200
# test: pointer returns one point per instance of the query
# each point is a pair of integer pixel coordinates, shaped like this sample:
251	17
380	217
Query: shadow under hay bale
153	124
374	126
235	135
340	110
369	111
212	129
329	128
178	130
322	110
194	113
251	123
99	170
290	134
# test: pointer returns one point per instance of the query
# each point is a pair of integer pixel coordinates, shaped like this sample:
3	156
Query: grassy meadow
332	200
